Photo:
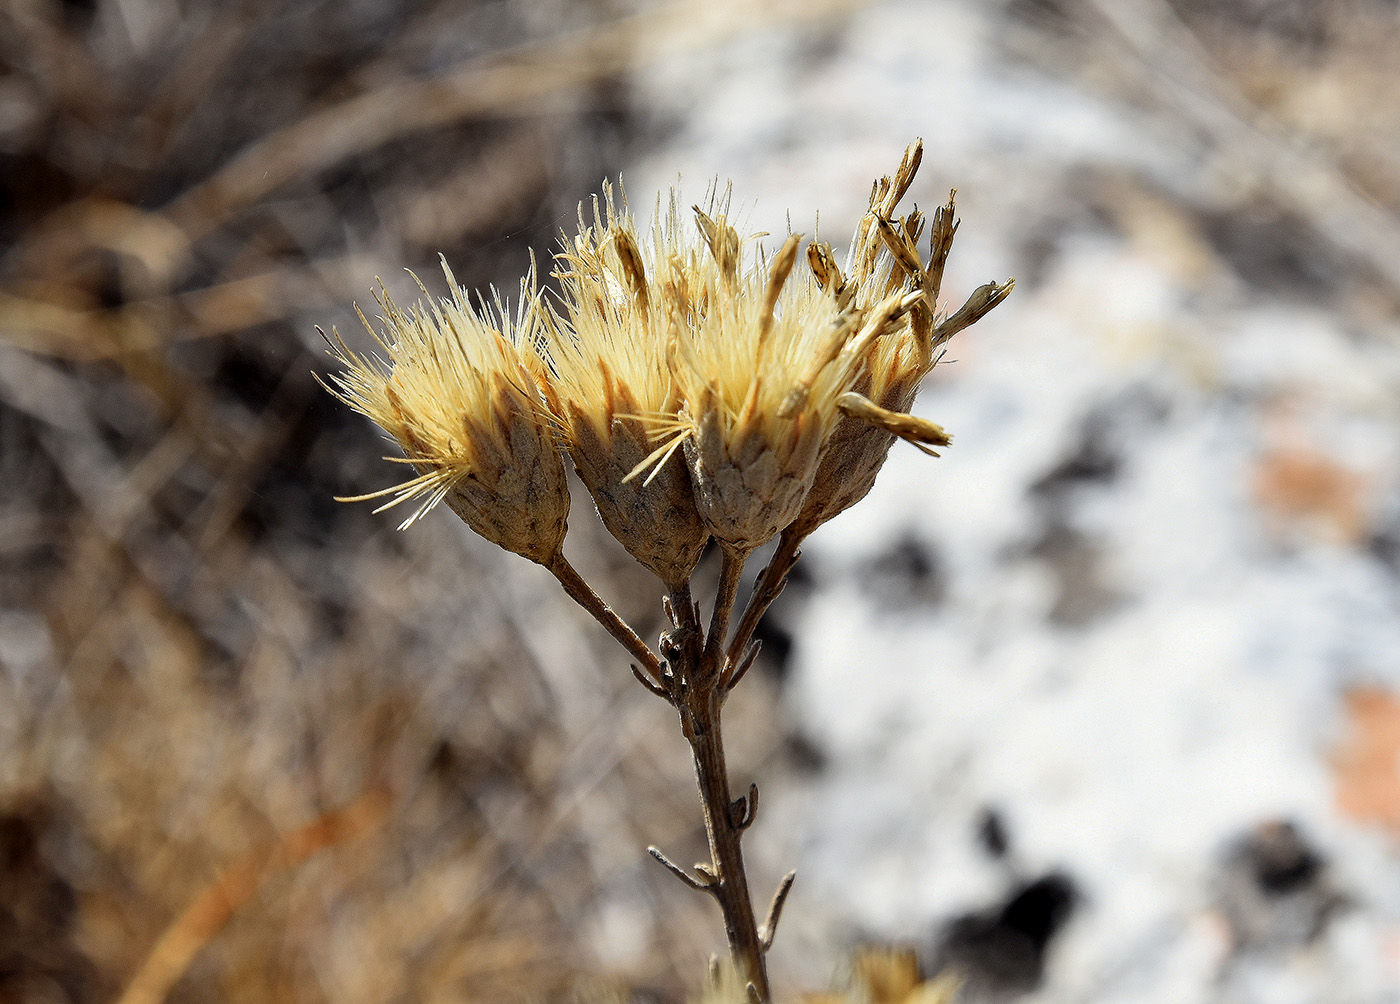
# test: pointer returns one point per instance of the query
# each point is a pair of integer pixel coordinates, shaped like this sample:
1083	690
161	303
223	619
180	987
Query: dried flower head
784	387
608	346
459	392
781	387
755	355
884	258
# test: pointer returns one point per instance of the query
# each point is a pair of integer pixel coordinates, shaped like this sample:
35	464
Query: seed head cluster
701	386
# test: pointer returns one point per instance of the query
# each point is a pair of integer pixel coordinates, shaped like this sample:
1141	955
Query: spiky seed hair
609	329
783	387
751	351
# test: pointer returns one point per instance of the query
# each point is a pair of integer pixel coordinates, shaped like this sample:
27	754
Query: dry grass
1290	105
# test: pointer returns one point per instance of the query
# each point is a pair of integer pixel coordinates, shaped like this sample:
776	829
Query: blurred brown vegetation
254	743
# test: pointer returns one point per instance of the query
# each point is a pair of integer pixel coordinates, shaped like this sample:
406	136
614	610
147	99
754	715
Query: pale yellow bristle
610	327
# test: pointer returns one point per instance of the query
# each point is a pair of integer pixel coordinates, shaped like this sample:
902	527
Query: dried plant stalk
770	394
216	904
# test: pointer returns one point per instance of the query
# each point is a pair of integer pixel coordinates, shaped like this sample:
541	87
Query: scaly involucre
700	387
458	389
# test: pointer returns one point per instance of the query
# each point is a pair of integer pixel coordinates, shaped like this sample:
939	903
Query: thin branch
582	594
656	688
775	911
770	584
730	572
704	886
736	672
744	809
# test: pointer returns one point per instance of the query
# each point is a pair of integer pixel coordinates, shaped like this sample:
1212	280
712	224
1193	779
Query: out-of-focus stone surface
1165	530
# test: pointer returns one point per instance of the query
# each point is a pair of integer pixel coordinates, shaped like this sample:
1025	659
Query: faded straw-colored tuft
700	385
781	386
458	389
754	348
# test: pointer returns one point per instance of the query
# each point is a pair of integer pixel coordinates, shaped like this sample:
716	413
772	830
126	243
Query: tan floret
744	343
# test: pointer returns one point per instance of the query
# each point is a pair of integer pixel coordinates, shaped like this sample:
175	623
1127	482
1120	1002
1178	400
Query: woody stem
695	686
770	583
725	820
731	569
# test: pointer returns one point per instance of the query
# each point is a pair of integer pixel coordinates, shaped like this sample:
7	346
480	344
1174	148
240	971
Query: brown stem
694	681
582	594
765	591
700	720
683	645
775	910
730	572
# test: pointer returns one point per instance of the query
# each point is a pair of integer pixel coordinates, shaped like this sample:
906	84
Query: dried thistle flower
459	392
750	350
610	375
792	385
884	258
887	974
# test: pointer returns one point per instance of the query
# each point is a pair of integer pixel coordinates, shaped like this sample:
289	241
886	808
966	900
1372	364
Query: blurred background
1102	705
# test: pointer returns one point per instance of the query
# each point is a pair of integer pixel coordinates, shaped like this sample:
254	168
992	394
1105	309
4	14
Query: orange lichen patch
1366	767
1302	489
